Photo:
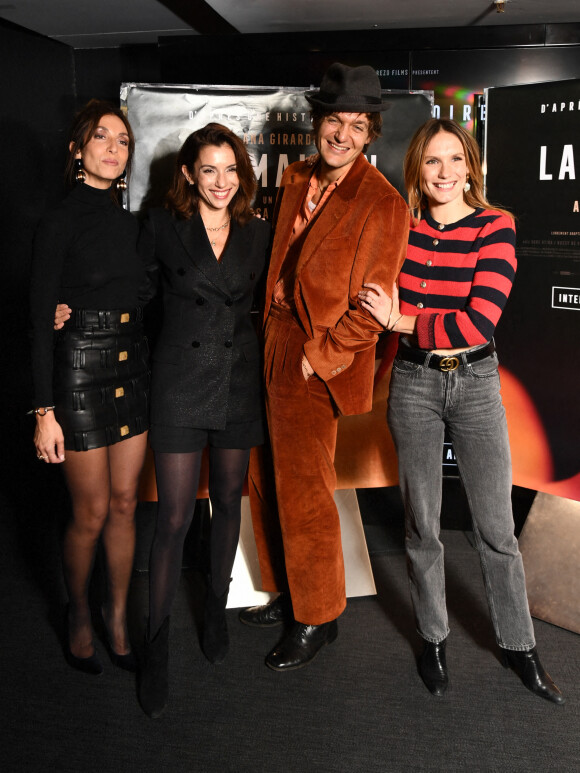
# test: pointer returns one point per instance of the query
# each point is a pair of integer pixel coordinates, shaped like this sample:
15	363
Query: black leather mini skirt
101	378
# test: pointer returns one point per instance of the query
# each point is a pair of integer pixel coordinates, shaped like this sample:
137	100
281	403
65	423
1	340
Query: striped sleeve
458	281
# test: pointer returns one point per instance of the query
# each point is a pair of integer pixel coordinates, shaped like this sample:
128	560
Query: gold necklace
219	228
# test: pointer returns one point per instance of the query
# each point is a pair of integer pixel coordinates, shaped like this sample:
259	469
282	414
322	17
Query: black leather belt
104	320
444	363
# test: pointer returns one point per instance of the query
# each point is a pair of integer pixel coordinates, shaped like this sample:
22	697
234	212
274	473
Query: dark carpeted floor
360	707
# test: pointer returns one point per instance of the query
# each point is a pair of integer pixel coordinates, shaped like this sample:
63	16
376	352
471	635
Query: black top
85	255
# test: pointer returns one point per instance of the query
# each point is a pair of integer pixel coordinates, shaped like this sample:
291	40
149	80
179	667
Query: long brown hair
84	126
183	198
415	156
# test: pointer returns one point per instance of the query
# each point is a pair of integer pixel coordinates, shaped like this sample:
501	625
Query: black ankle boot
527	666
153	679
433	668
215	640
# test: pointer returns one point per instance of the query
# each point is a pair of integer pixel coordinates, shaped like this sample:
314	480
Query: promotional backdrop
274	123
533	169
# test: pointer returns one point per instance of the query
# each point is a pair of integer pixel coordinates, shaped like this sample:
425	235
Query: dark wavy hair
183	198
375	120
83	128
415	156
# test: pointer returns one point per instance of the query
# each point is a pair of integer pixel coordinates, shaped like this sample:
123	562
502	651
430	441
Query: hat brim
346	104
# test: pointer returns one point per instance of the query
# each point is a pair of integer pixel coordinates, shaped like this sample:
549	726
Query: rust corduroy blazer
360	236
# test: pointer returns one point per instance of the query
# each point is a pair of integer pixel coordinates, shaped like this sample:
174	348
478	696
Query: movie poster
533	169
275	125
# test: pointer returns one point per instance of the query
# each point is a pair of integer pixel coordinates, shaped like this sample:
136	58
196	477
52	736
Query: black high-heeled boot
215	639
433	668
527	666
154	678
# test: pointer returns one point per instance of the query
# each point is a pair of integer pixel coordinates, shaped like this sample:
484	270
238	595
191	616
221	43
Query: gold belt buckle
448	363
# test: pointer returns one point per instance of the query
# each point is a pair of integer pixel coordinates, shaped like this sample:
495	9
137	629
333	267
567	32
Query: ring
40	456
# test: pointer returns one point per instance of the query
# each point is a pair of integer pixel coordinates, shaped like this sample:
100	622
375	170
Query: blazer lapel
293	195
237	251
193	236
334	209
332	213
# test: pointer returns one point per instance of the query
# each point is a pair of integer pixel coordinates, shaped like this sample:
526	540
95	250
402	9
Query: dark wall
300	59
100	71
486	56
37	86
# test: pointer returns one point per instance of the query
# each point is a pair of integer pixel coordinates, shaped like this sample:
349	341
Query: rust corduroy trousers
295	519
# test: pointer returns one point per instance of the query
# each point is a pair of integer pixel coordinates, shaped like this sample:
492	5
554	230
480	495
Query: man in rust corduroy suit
338	224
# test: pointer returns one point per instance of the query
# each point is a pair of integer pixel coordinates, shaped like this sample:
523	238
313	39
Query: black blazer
207	360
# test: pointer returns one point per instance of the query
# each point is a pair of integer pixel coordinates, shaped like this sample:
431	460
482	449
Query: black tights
177	484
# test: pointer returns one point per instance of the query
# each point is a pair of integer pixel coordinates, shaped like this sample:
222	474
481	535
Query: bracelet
390	329
41	411
389	319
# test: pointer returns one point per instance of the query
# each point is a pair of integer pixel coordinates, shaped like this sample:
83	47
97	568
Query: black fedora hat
349	90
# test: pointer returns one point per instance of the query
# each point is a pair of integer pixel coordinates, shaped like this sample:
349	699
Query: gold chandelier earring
80	174
122	181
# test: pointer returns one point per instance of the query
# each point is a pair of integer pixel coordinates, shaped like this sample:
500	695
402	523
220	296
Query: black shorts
181	440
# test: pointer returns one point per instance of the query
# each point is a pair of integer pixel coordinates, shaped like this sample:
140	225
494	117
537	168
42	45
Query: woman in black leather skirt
91	378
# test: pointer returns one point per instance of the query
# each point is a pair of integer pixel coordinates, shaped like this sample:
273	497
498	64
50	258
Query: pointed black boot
433	668
153	680
527	666
215	640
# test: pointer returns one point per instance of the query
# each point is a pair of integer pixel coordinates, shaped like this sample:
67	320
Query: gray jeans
422	402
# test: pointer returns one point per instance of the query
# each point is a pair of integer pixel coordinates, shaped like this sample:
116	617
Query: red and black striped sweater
457	278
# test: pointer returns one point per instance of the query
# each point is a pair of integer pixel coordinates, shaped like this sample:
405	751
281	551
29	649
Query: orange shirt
284	289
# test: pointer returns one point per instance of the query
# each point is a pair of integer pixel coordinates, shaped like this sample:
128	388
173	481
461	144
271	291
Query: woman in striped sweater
452	290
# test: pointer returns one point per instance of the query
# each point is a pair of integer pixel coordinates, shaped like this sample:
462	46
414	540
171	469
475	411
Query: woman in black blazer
206	382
